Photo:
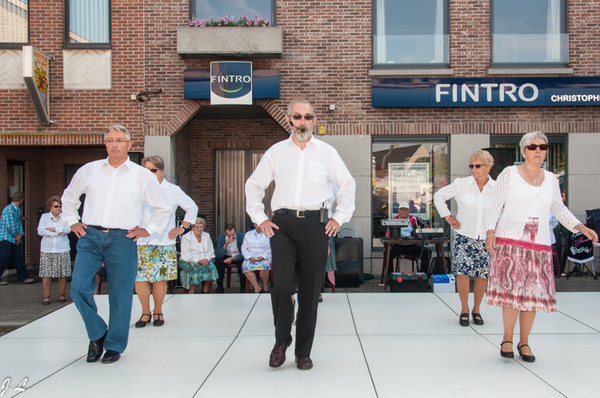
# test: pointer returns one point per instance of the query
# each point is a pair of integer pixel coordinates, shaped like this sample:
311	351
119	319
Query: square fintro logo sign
231	83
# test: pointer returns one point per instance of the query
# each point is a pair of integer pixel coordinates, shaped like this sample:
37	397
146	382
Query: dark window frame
423	139
19	45
273	18
69	45
563	30
553	138
409	66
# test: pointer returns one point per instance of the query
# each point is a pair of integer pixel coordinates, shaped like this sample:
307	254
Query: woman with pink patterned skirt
521	277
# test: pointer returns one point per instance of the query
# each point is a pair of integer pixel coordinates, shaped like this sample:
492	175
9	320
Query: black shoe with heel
140	323
506	354
463	320
477	319
159	321
526	358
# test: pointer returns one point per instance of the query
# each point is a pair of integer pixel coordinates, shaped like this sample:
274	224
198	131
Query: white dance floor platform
366	345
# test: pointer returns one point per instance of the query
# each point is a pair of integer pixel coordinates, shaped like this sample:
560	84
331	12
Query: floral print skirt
55	265
470	257
195	274
522	274
156	263
263	265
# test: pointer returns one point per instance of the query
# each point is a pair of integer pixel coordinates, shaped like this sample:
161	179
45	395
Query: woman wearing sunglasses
55	256
521	278
473	196
157	258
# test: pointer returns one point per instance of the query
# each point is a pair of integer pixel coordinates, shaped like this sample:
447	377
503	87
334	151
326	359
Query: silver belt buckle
299	215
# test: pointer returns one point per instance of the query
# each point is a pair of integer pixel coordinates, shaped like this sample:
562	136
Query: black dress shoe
277	357
526	358
463	320
111	356
95	349
304	363
140	323
506	354
477	319
220	290
158	321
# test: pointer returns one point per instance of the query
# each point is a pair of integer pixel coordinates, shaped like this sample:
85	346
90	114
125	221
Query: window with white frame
410	33
215	9
529	32
87	24
14	23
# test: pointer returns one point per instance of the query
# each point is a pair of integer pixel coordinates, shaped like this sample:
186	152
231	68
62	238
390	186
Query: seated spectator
229	252
256	250
197	255
412	249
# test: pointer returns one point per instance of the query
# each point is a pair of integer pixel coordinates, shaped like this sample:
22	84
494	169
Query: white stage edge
366	345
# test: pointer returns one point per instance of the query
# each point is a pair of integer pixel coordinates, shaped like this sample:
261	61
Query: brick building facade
328	58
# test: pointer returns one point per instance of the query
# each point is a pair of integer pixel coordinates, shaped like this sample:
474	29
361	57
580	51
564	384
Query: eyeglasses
118	141
477	166
299	117
153	170
57	207
533	147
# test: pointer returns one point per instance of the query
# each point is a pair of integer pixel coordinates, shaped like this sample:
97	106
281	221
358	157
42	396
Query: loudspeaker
348	274
592	219
349	249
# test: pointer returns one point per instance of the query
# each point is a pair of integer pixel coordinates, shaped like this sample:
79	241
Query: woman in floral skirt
197	259
157	257
521	278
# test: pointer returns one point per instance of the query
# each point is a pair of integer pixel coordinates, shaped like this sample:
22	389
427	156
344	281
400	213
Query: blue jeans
8	250
119	255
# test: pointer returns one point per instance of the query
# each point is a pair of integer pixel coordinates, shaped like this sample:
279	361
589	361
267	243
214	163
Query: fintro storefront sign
505	91
231	83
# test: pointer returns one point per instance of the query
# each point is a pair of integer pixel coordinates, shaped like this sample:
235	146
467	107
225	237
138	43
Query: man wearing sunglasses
306	172
115	189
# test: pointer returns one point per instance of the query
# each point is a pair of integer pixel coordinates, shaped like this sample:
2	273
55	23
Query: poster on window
410	183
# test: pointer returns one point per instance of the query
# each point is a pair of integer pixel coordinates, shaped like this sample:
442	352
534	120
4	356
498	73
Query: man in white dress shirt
304	170
116	189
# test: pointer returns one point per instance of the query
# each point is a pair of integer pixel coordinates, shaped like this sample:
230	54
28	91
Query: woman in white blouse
55	256
157	256
470	259
521	278
256	250
197	258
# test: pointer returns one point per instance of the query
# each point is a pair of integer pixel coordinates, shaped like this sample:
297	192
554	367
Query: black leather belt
99	228
298	213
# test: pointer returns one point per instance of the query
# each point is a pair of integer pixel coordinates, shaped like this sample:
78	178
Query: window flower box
230	41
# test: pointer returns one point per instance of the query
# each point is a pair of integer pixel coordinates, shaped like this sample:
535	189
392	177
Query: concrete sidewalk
22	304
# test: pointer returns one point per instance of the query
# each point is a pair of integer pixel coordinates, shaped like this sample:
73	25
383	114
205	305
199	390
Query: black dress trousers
299	256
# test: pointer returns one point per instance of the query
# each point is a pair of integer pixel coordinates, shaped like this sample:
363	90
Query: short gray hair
529	137
300	101
487	157
155	160
200	220
118	127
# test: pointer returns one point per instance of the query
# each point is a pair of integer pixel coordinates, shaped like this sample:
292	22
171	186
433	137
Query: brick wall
327	56
83	110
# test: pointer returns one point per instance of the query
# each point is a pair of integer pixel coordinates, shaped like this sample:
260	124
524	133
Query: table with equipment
387	248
